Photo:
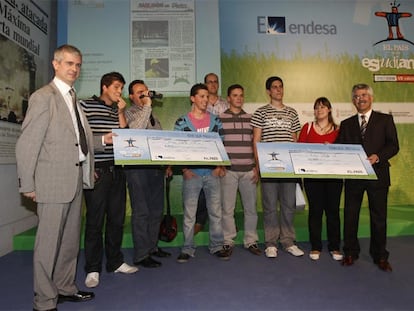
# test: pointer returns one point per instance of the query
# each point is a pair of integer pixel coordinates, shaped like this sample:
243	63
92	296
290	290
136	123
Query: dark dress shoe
348	261
254	249
80	296
223	254
148	262
384	265
160	253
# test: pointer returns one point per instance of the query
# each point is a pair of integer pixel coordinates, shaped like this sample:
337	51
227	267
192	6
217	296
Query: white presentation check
313	163
163	148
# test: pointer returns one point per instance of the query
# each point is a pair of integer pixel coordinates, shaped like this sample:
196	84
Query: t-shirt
278	125
202	125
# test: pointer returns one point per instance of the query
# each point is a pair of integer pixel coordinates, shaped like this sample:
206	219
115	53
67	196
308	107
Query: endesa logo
276	25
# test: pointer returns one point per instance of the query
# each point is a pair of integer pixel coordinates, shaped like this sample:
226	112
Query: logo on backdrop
393	20
273	25
276	25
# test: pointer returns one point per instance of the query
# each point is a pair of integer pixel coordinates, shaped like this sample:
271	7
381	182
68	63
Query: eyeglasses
357	97
212	81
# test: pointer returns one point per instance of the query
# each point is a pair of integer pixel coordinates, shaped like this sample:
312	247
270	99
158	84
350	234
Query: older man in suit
377	134
54	163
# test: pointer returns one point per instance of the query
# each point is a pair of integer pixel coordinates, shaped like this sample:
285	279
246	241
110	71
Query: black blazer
380	139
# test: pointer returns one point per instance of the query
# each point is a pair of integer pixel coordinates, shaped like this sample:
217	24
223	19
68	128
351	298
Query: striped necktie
363	127
82	136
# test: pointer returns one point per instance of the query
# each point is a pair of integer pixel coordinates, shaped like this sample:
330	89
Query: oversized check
155	147
293	160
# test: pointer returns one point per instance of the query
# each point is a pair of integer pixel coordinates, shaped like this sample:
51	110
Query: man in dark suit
54	163
377	134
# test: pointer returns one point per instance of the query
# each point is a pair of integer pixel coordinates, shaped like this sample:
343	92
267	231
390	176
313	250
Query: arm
138	119
121	113
390	146
30	143
257	137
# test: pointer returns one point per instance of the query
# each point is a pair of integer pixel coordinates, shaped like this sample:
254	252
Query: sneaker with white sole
92	279
336	255
295	251
125	268
271	252
314	255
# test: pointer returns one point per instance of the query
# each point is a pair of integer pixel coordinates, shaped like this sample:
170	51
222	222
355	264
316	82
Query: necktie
82	136
363	125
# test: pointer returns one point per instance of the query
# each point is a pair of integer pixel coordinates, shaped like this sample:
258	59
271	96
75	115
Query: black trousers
105	210
324	195
377	204
146	193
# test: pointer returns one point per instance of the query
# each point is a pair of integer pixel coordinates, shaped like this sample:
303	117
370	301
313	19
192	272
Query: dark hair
131	85
270	80
325	102
109	78
233	87
196	87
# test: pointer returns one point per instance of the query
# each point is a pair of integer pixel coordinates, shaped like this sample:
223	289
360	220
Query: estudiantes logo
393	21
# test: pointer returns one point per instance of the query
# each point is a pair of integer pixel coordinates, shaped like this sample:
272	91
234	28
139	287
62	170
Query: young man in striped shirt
105	204
276	122
242	175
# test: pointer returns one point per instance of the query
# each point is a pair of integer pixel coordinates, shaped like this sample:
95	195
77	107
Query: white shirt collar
62	86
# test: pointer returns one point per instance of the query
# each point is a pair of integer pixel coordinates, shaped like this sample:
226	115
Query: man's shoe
92	279
148	262
271	252
160	253
183	258
348	261
314	255
223	254
228	248
254	249
336	255
80	296
384	265
125	268
295	251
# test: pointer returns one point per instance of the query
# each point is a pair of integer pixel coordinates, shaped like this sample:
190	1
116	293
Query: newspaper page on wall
163	44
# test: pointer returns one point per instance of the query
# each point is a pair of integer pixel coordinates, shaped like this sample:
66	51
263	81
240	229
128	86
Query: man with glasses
377	134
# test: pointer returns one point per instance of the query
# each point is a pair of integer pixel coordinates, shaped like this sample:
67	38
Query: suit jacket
380	138
47	151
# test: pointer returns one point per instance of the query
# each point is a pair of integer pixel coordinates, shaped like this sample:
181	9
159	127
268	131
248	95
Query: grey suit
47	155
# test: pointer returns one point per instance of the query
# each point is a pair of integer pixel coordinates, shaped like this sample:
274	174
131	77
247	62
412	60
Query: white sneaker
295	251
127	269
336	255
314	255
92	279
271	252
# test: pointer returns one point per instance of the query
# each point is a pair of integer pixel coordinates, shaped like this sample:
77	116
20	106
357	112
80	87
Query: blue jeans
231	183
191	191
278	218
